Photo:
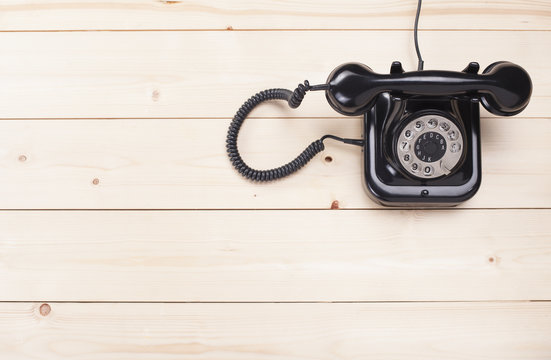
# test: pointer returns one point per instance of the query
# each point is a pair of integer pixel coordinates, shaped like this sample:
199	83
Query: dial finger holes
427	170
432	123
429	146
452	135
455	147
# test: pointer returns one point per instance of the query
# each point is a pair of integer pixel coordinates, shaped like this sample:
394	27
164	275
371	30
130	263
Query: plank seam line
282	302
267	30
287	209
253	117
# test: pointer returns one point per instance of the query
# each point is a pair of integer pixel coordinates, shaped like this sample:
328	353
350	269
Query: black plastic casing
388	183
389	101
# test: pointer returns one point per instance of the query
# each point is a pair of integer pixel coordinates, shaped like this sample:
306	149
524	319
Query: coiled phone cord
294	99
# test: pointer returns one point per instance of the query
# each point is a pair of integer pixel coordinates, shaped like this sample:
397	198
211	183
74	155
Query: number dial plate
430	146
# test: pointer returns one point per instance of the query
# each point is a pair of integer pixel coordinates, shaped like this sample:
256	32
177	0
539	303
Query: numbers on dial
429	146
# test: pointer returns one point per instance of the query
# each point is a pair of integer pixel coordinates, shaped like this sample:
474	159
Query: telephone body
422	128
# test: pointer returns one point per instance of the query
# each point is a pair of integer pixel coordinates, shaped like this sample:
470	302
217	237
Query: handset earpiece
510	88
504	88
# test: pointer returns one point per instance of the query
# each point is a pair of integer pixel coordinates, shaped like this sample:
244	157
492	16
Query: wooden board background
126	234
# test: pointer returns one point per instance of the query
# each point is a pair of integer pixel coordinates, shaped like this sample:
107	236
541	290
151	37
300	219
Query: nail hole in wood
95	181
22	158
328	159
155	95
45	309
335	205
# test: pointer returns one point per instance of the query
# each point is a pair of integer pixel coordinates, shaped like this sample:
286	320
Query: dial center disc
430	147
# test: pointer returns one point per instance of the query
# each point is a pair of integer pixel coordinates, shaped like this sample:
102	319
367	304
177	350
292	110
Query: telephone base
392	182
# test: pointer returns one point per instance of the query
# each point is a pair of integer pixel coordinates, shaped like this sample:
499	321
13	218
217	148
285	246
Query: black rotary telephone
421	128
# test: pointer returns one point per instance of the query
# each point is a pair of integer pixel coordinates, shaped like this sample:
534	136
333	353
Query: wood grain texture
275	255
182	164
264	14
456	331
124	104
210	74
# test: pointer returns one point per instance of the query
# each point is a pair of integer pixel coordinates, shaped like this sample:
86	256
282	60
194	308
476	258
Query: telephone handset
503	88
421	139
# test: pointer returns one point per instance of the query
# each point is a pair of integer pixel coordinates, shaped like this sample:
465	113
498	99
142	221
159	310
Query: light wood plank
182	164
275	255
457	331
264	14
210	74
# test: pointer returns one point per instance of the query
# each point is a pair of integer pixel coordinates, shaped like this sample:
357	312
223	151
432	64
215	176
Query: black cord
421	62
294	98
